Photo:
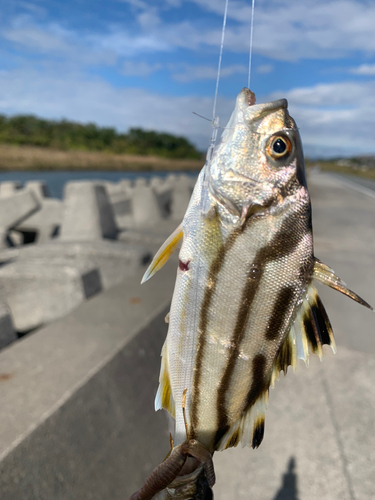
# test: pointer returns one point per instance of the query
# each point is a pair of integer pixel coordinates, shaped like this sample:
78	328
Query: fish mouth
246	102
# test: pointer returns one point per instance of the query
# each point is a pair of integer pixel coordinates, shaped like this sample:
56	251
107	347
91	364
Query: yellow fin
249	428
163	254
164	398
324	274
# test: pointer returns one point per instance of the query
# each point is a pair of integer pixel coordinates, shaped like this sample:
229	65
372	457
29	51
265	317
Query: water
55	180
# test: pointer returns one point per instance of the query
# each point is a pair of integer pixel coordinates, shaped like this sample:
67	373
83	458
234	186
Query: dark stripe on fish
282	245
286	295
258	387
203	320
247	298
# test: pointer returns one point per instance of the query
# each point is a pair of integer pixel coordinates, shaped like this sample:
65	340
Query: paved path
320	425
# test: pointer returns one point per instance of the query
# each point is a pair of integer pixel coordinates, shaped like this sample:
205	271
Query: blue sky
127	63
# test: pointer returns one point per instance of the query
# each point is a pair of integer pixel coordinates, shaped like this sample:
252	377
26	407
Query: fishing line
251	42
220	58
215	119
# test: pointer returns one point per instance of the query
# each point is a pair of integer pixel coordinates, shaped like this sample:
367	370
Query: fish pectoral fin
165	251
164	397
324	274
249	428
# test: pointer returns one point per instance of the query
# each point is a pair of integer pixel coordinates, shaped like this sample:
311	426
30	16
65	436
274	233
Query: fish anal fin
248	429
164	397
166	250
287	356
324	274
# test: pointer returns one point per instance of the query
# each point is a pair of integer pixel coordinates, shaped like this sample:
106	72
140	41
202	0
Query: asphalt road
320	425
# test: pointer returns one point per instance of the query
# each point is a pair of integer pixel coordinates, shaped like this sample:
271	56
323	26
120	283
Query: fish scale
244	306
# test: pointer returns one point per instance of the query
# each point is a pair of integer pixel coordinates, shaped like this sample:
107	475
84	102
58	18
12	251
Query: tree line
67	135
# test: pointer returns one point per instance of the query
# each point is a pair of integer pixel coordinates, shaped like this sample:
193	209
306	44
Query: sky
152	63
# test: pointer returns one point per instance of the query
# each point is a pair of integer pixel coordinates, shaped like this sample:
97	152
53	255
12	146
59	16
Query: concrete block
181	194
17	208
15	238
7	332
125	184
46	222
152	237
120	196
146	211
38	291
76	412
9	188
114	260
39	188
88	214
163	191
140	182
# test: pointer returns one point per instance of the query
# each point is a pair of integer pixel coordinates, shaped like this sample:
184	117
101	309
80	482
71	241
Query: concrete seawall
76	413
76	397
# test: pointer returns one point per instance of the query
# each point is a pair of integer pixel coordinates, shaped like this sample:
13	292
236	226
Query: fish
245	306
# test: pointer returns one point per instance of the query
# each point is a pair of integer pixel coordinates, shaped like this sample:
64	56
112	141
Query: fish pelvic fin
164	397
324	274
249	428
165	251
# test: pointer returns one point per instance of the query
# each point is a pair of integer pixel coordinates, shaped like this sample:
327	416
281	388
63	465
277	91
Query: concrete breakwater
54	254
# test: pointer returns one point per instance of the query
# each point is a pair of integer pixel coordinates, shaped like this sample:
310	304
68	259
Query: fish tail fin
324	274
164	397
162	255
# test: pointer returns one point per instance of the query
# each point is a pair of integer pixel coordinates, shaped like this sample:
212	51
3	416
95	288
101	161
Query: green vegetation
363	166
64	135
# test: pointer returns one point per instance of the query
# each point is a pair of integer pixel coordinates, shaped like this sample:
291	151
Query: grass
38	158
331	166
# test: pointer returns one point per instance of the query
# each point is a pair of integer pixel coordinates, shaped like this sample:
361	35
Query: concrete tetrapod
114	260
40	290
7	333
88	214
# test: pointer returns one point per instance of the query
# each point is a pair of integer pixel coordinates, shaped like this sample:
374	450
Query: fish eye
278	147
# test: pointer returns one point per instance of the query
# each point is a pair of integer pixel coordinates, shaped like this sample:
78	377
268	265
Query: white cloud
332	117
363	69
191	73
78	97
336	116
282	30
291	29
141	68
54	42
264	69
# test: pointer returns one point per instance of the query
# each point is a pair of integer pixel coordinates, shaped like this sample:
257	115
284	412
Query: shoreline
28	158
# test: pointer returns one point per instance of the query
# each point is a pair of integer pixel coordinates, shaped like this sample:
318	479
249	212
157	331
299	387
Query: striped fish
245	306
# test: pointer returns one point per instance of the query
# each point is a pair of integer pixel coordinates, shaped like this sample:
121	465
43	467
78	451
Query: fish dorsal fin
324	274
165	251
164	398
311	329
